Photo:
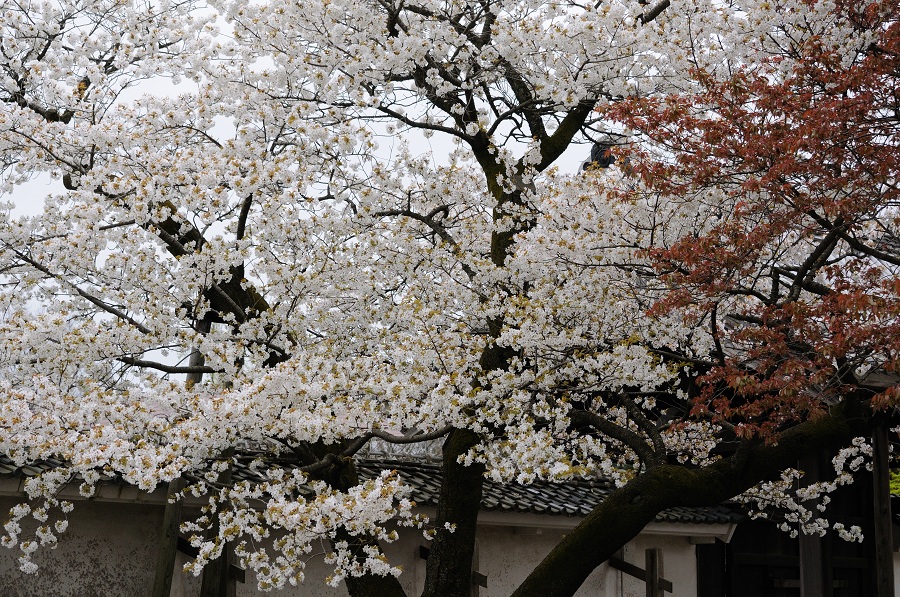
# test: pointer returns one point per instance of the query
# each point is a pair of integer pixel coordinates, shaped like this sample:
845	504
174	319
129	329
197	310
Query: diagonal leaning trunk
622	515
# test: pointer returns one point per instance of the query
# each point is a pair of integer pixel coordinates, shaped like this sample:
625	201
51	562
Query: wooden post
476	576
884	543
168	541
168	546
653	570
812	568
815	569
651	574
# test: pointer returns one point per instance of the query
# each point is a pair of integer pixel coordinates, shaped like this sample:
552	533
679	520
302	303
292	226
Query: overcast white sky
29	198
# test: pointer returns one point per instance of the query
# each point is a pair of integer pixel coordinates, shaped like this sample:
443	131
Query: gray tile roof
572	498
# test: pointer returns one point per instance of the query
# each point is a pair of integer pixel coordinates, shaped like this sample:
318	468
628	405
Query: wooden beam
638	573
479	579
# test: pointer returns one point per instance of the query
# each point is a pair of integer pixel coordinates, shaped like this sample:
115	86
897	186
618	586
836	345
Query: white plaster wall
679	565
507	554
896	573
110	550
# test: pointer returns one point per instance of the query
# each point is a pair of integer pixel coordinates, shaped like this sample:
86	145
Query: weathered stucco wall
679	565
110	550
896	573
507	554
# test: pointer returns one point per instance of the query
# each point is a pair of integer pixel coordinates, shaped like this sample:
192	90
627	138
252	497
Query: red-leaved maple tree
795	263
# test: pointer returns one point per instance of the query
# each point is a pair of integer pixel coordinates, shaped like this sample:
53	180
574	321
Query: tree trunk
449	567
217	581
622	515
369	585
342	477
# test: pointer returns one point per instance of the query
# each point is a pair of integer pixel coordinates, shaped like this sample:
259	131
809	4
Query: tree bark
619	518
449	567
369	585
216	580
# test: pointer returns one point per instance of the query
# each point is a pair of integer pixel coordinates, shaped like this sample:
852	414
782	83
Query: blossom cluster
279	230
798	505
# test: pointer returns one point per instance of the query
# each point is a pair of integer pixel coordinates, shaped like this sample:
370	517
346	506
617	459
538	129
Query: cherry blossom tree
256	256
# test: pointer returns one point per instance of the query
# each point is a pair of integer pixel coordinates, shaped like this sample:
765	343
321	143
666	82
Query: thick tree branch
227	297
628	510
50	115
806	284
173	369
628	437
435	227
813	262
421	125
553	146
654	12
870	251
242	218
357	444
651	429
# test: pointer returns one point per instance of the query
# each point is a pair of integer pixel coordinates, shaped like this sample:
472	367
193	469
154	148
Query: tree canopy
284	229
